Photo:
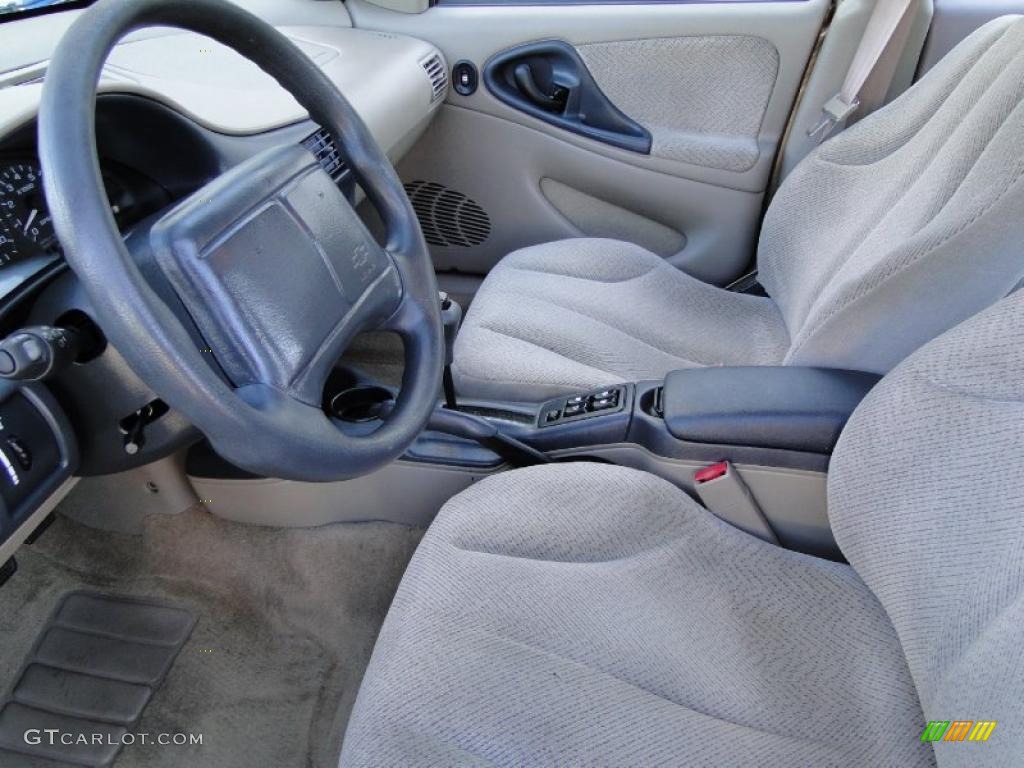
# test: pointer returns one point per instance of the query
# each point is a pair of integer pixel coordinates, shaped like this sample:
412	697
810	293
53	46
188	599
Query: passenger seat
884	237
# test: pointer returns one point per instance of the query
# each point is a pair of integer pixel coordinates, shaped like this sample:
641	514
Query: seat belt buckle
835	111
722	491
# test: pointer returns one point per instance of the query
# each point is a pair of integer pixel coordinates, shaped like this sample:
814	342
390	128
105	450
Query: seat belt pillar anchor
832	114
722	491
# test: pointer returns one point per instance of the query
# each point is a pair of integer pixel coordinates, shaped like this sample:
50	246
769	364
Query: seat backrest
926	498
910	221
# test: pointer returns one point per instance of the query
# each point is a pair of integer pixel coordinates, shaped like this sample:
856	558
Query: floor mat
286	623
95	666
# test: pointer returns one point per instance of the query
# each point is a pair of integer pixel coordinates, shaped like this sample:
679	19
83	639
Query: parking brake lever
487	434
480	431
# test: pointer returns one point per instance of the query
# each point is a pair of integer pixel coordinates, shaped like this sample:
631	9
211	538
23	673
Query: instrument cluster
26	227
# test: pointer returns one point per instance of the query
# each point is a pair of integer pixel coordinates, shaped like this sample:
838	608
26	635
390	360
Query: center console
752	445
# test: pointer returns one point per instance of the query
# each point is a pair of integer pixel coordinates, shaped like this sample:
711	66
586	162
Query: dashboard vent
438	76
322	145
447	217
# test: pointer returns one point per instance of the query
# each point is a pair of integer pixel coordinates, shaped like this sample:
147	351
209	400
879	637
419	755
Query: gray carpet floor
287	622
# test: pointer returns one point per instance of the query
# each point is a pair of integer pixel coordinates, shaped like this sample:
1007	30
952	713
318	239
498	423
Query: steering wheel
269	261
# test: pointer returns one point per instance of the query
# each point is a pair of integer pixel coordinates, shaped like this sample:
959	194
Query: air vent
322	145
438	76
447	217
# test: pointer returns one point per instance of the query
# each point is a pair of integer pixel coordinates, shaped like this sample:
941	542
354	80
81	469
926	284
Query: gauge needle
31	218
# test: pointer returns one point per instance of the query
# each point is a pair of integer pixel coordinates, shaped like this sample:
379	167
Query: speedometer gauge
26	228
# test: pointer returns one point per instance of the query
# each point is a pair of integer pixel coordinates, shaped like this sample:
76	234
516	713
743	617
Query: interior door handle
552	102
550	82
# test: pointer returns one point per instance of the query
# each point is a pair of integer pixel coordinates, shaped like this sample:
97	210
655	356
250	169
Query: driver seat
881	239
584	614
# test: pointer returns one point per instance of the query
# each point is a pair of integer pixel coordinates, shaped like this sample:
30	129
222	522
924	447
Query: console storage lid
784	407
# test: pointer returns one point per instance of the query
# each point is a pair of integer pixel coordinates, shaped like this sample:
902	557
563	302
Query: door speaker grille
448	217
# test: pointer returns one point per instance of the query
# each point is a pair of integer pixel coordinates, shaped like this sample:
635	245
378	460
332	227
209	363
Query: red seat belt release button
713	472
723	493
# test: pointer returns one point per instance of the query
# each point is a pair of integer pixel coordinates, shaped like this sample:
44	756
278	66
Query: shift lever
451	319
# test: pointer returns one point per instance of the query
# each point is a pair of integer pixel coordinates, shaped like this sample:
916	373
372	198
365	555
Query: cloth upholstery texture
584	614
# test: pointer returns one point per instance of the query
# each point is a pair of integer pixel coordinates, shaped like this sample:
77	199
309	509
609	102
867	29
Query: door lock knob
465	78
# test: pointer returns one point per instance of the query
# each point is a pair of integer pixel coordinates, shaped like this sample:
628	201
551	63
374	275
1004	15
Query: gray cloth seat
881	239
595	615
584	614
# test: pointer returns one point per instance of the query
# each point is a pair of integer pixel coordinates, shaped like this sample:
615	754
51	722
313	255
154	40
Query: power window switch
602	404
574	410
608	394
578	400
553	415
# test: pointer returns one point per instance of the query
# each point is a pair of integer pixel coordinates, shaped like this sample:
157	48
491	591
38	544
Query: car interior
511	383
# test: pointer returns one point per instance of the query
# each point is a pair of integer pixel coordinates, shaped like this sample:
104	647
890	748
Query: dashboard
174	111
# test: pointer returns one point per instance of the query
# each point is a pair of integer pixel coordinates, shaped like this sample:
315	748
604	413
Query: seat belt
873	67
723	493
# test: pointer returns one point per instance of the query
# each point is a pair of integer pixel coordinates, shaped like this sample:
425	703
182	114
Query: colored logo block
958	730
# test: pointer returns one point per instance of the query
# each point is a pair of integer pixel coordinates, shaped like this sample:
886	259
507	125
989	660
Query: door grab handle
548	81
554	102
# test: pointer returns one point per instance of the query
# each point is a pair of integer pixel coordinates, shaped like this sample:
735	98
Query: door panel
599	218
501	167
707	112
712	84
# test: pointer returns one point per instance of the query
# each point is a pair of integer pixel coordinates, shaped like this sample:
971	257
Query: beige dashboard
385	76
395	82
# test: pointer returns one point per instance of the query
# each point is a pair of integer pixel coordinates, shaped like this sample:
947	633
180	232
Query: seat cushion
584	614
583	313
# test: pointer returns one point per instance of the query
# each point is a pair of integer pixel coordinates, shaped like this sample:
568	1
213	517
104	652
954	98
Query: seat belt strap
874	64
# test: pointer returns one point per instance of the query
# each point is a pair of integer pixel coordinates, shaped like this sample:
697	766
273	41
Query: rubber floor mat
95	666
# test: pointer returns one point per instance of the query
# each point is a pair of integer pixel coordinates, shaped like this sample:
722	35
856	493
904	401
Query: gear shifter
451	319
